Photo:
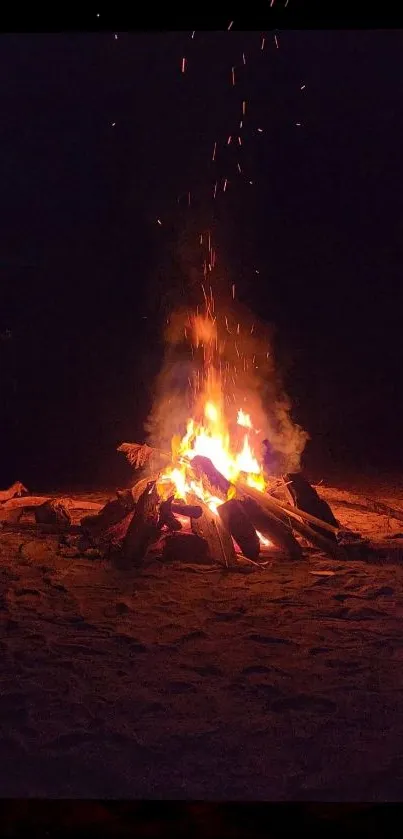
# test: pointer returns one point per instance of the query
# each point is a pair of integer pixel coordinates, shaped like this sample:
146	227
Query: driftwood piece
114	536
235	519
220	545
16	490
312	536
143	529
307	499
53	513
113	512
204	468
272	528
49	511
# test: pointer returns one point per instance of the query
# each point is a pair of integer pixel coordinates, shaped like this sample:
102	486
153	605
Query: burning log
204	468
220	545
193	511
143	529
235	519
312	536
307	499
272	528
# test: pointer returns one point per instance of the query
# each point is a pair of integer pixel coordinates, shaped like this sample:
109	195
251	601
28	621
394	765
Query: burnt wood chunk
237	521
167	517
204	468
220	545
112	513
272	528
143	529
307	499
53	513
193	511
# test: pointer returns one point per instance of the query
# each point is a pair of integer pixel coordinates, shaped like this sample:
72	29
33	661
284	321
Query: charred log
268	504
193	511
167	517
272	528
220	545
235	518
143	528
204	468
112	513
307	499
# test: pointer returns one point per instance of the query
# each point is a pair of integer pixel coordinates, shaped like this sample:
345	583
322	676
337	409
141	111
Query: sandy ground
282	684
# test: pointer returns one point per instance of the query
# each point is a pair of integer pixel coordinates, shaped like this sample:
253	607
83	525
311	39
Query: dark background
87	275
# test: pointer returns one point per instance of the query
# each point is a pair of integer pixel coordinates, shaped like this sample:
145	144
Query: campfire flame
208	434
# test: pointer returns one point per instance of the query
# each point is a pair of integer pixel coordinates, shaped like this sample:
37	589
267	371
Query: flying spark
225	184
303	86
233	76
229	26
214	151
183	65
244	107
243	58
229	140
263	42
233	291
276	41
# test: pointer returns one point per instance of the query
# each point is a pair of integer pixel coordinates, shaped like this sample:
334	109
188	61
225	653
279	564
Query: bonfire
217	496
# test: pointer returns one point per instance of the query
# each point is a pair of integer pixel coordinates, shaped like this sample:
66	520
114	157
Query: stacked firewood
140	520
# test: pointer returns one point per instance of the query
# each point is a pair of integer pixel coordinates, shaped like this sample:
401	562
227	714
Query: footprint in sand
228	616
181	687
255	670
207	670
304	702
197	635
24	592
269	639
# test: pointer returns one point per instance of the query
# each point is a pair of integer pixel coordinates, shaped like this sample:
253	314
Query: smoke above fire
219	371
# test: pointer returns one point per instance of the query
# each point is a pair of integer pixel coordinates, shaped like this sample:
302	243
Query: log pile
245	525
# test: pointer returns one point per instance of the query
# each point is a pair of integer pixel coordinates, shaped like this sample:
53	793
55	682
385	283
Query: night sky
88	275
